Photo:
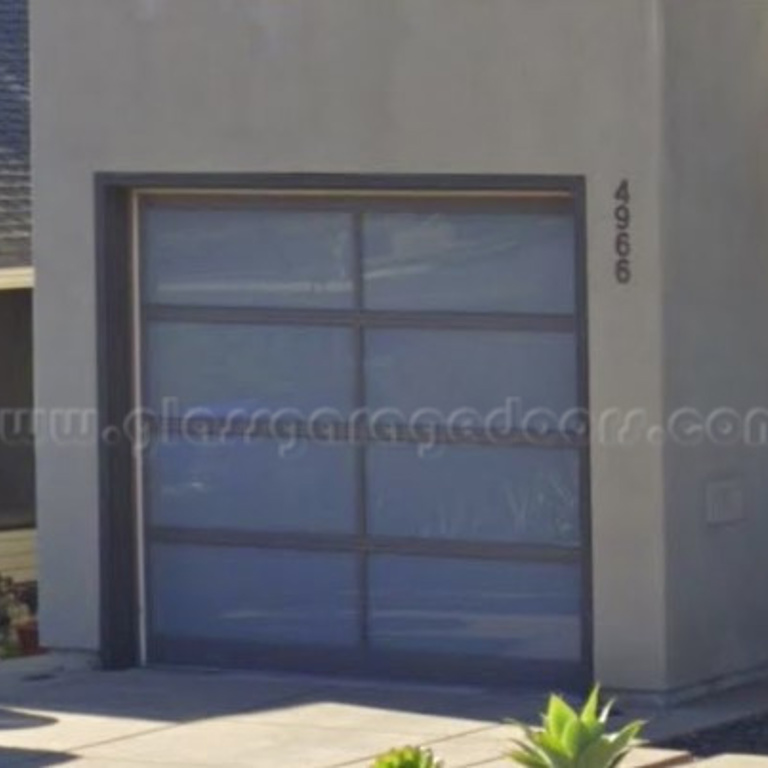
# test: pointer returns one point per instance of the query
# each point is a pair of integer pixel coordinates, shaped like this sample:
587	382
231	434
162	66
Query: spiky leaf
526	755
558	716
576	739
589	715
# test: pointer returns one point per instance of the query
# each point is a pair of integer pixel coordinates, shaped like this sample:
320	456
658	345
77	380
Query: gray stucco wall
715	210
432	86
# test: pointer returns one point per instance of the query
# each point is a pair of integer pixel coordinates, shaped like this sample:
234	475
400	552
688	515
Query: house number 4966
622	217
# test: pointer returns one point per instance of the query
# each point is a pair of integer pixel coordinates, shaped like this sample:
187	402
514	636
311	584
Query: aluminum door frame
122	607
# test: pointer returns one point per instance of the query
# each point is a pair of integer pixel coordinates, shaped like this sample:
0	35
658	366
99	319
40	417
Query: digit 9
623	216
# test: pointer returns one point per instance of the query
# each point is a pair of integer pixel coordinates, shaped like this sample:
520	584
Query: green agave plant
408	757
568	739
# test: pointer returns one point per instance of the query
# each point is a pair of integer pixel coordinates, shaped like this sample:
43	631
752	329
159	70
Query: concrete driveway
168	719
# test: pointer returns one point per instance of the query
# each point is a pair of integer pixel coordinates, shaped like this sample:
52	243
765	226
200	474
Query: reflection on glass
430	375
486	608
493	262
220	368
254	484
474	493
258	596
241	256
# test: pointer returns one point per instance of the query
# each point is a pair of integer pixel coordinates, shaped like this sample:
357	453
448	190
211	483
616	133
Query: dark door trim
119	597
120	600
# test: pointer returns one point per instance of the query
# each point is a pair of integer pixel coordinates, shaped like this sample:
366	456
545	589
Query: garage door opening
363	444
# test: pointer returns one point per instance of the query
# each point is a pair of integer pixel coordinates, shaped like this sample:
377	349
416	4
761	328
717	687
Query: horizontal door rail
371	545
355	432
549	203
374	659
431	320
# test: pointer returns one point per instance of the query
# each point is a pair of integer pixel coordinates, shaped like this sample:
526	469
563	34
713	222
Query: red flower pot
29	639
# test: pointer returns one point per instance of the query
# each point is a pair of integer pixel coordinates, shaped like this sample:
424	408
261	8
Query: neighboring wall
716	331
18	555
411	86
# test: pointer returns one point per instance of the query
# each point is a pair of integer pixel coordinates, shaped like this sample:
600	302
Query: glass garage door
364	450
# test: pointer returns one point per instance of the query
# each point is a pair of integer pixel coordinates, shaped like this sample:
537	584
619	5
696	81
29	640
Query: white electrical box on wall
724	501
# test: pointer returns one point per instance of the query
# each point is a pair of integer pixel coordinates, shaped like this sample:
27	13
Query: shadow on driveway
184	696
11	720
26	758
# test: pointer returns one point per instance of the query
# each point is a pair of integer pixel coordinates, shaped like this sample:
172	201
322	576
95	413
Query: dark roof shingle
15	193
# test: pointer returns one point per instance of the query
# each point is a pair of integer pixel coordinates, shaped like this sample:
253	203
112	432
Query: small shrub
408	757
568	739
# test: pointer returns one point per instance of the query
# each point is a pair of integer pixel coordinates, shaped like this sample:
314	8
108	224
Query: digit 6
623	271
623	245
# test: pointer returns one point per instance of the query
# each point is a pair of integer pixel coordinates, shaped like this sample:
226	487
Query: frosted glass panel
495	262
474	493
226	367
253	595
239	256
476	607
493	372
260	484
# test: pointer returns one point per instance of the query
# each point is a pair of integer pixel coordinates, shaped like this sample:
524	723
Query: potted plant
28	637
27	632
18	625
